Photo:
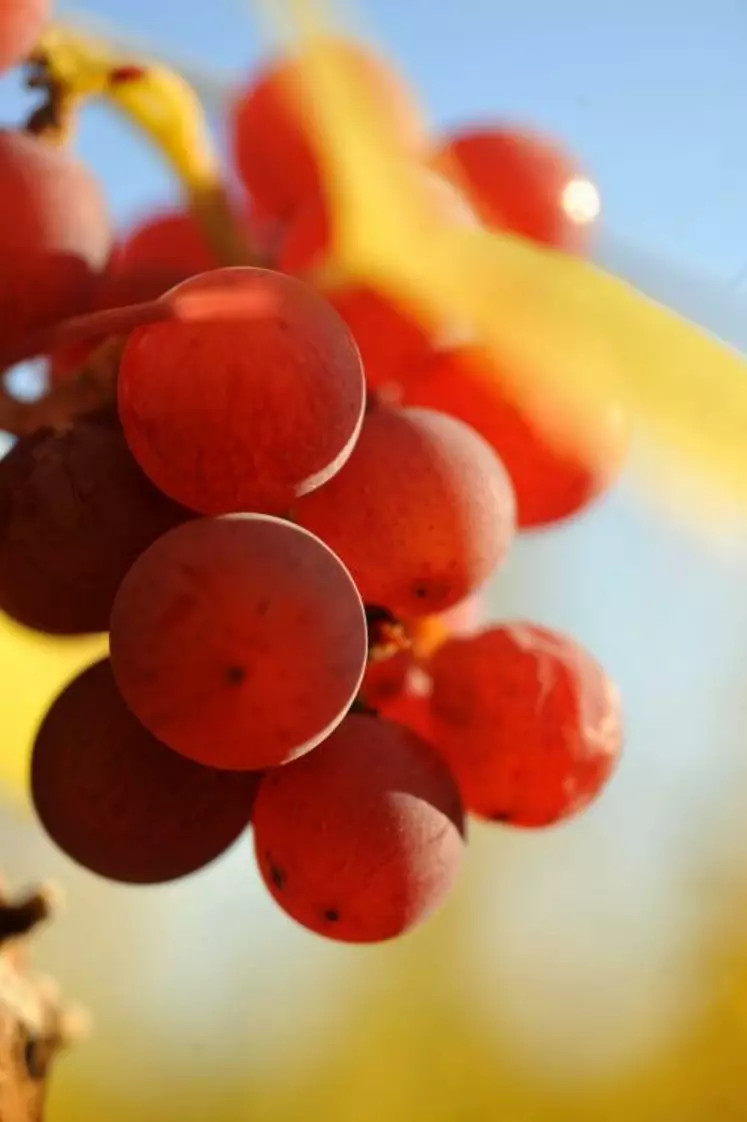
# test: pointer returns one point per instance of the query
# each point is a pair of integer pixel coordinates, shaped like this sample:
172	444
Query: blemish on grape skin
277	875
235	675
331	915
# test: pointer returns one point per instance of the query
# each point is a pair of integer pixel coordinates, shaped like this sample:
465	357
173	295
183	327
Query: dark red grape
120	803
75	513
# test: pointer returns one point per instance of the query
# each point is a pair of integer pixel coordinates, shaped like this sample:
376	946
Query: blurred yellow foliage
412	1047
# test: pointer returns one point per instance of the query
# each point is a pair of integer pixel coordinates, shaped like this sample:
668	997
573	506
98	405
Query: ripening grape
239	641
172	241
273	124
528	722
551	480
524	183
243	414
422	513
55	238
120	803
21	22
75	513
361	839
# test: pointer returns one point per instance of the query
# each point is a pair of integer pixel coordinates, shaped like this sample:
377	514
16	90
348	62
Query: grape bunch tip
277	488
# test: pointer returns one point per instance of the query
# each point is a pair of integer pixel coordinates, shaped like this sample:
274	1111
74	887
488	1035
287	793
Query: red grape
552	481
21	22
361	839
524	183
172	241
239	641
528	722
243	414
274	121
411	709
385	678
75	513
421	514
55	238
120	803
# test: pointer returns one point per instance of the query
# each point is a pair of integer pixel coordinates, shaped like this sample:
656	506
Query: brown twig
34	1025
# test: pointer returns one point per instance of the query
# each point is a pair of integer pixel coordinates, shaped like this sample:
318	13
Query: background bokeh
597	971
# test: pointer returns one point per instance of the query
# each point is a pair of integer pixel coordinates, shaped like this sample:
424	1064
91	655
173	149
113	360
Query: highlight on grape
276	487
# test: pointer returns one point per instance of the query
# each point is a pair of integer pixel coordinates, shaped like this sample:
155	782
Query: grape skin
245	414
422	513
239	641
21	22
55	238
273	122
121	804
75	513
362	839
528	722
517	181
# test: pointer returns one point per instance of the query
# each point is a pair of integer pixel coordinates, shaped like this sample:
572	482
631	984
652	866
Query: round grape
524	183
75	512
528	722
239	641
362	839
172	241
422	513
21	22
274	121
243	414
552	481
55	238
121	804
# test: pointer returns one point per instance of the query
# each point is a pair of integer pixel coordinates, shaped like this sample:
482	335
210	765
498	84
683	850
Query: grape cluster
274	514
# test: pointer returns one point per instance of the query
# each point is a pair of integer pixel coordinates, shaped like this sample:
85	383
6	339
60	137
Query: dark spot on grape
500	816
332	915
420	591
277	876
235	675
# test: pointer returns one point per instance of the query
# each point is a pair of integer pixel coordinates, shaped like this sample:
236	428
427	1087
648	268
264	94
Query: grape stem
93	386
72	68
